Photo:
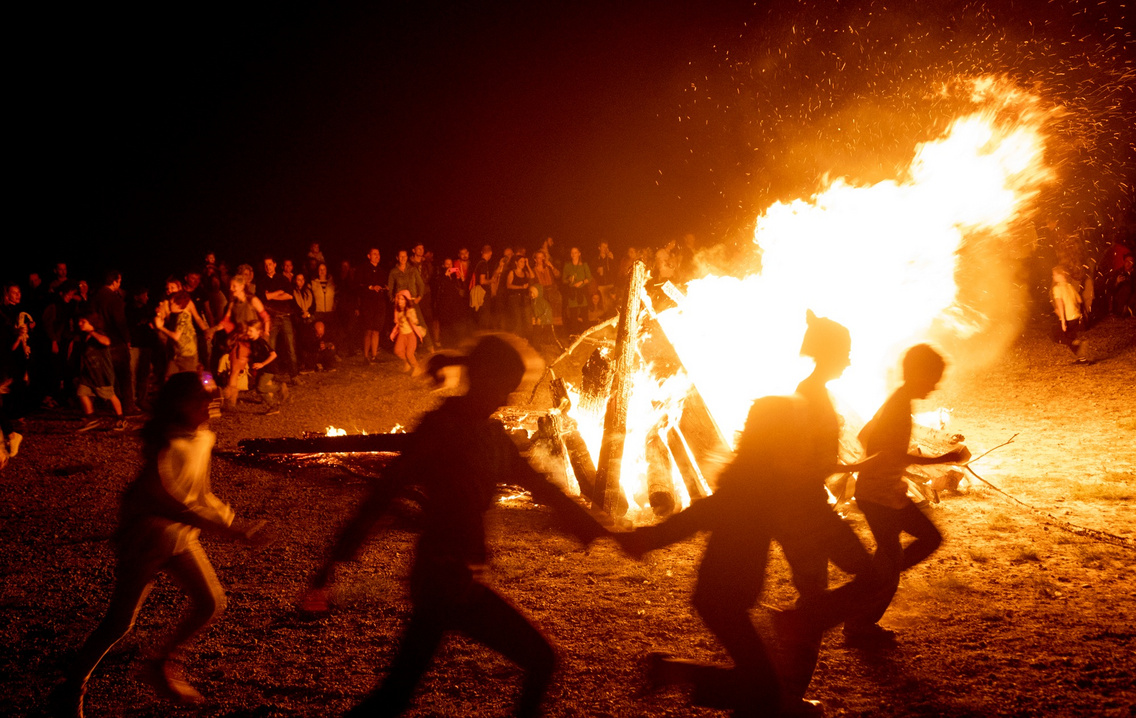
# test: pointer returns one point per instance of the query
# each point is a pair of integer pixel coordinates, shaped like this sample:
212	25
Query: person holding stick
457	456
881	493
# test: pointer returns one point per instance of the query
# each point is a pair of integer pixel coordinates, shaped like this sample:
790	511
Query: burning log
561	432
567	432
607	492
555	462
327	444
596	383
660	485
708	447
680	451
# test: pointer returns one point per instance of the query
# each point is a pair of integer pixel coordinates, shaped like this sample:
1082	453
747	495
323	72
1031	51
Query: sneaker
119	425
88	425
167	679
14	440
873	636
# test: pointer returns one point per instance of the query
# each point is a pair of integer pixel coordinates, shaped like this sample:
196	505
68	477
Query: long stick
999	446
1096	534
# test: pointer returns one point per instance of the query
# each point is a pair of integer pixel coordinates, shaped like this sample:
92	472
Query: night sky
146	137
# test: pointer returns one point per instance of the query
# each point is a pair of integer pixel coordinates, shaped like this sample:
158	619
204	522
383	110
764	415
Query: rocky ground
1017	614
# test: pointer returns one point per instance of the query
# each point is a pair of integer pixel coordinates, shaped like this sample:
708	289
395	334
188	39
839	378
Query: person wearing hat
457	456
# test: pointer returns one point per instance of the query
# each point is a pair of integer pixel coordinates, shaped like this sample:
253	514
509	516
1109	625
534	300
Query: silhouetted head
923	368
771	445
182	406
495	367
828	343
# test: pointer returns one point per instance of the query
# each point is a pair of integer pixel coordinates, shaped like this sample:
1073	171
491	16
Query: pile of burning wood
683	451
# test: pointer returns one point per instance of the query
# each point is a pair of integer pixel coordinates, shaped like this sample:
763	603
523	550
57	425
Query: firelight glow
881	259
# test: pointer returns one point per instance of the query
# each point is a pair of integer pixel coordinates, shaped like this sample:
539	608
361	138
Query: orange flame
880	259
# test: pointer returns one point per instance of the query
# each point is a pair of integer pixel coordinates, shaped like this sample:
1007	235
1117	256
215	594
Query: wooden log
660	484
596	380
327	444
710	449
560	399
696	485
580	459
553	459
607	492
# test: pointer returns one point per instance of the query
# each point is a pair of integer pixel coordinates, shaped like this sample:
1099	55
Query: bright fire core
881	259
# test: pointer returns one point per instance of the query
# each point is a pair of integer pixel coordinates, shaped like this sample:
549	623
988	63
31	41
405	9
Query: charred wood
687	467
607	493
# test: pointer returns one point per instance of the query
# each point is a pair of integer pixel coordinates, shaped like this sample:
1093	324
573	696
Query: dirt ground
1014	615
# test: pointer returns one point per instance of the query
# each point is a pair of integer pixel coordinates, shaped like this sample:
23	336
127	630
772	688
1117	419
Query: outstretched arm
577	520
353	535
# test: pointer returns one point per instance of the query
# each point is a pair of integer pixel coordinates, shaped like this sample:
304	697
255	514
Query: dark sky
452	124
147	137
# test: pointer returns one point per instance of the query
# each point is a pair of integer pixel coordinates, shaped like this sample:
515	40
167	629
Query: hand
959	456
254	533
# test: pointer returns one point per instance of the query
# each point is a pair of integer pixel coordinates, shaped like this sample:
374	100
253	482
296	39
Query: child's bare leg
116	405
130	592
193	572
88	405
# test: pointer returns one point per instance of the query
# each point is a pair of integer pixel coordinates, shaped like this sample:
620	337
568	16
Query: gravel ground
1015	615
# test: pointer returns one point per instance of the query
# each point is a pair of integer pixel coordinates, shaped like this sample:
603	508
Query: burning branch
608	493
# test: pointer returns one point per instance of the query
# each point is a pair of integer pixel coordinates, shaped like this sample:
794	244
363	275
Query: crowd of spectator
261	328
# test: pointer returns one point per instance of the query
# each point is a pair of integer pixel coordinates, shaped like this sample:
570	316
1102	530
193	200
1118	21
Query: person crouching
262	362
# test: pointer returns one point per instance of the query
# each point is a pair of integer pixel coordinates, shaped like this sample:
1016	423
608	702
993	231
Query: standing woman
577	275
302	294
549	277
500	310
323	297
457	456
163	512
372	281
407	331
243	310
517	283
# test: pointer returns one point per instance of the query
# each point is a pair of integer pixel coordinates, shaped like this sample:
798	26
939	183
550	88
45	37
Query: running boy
881	492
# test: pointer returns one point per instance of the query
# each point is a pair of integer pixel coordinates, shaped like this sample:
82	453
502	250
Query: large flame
882	259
